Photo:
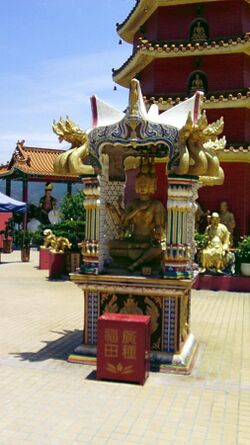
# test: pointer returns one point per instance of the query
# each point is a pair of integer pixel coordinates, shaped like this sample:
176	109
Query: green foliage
72	207
37	238
243	250
22	238
201	240
73	230
72	225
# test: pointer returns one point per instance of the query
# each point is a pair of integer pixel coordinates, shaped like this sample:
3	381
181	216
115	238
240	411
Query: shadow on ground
56	349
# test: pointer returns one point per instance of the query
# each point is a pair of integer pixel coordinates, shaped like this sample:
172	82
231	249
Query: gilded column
90	246
180	228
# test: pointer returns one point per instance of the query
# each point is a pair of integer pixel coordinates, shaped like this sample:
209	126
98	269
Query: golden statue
143	222
199	32
56	244
197	84
61	245
227	217
49	240
215	255
72	161
46	203
198	144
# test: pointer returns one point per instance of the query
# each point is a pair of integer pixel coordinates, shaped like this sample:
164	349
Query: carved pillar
90	247
179	253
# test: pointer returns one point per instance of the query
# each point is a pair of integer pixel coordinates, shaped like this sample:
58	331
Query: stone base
44	258
181	363
57	265
222	282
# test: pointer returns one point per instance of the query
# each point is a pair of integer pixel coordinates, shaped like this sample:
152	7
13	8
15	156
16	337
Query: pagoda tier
227	99
183	46
157	18
154	62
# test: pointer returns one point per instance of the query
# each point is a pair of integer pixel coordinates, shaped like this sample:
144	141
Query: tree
72	207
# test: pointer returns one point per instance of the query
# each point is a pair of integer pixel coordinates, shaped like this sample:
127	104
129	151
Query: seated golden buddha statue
199	32
197	84
143	223
215	255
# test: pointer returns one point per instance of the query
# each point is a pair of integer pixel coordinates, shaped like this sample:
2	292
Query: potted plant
7	232
243	255
201	241
23	239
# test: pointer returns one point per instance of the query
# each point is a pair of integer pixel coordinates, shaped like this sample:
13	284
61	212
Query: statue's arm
131	211
160	220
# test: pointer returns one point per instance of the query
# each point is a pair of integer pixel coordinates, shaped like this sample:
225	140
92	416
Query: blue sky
55	54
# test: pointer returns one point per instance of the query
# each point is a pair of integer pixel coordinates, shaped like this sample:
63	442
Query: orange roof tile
34	162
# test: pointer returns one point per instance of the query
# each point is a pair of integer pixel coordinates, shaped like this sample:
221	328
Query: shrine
140	192
183	46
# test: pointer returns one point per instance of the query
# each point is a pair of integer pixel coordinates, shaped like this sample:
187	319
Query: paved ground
45	400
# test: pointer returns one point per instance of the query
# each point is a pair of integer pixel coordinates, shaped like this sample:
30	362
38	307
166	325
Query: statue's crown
147	167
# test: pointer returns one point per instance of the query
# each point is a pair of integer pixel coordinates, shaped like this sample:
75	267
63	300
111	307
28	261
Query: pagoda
181	46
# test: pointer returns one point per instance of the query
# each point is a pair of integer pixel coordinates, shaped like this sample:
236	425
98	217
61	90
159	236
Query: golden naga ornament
72	161
198	147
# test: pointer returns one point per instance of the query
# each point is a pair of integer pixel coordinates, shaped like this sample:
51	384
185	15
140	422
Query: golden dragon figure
198	144
71	162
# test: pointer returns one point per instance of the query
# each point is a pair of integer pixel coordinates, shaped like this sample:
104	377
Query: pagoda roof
148	51
143	10
34	163
239	99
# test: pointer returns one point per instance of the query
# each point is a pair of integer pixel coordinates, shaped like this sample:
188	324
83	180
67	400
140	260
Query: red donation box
123	347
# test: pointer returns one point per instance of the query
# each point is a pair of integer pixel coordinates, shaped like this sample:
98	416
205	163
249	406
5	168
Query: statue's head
215	219
223	207
146	182
68	131
48	188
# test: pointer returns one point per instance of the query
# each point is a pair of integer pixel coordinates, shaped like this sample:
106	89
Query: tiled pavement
45	400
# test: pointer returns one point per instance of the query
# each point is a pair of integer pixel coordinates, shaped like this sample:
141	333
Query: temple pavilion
180	46
33	164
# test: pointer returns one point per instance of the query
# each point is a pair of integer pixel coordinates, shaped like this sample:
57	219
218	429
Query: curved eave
19	173
209	103
143	11
144	56
231	154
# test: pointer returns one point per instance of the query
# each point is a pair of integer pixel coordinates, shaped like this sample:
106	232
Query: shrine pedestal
44	258
167	302
57	265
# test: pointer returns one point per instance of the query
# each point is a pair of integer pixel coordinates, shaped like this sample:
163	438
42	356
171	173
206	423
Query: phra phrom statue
143	222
